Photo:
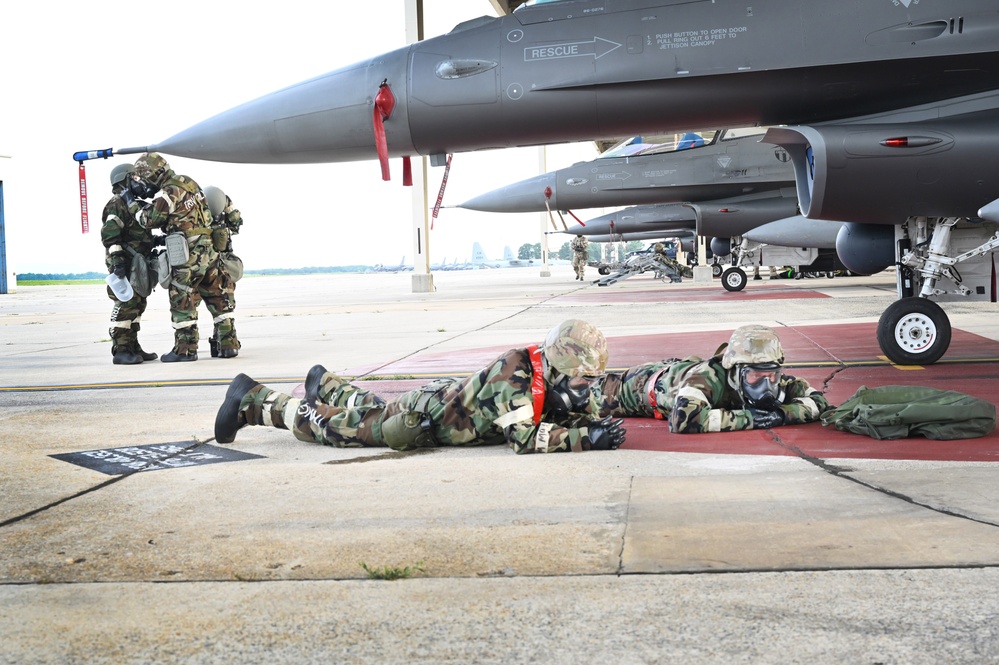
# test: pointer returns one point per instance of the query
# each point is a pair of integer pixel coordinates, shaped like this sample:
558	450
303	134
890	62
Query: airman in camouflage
523	398
741	387
226	221
659	249
179	208
580	255
124	238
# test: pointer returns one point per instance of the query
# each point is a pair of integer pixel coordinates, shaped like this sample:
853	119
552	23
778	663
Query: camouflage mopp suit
226	222
178	206
504	402
123	239
580	246
695	395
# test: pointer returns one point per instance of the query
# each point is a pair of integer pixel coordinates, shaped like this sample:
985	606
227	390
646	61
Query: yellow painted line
904	368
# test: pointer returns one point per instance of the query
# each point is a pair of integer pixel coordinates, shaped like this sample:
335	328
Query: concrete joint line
841	472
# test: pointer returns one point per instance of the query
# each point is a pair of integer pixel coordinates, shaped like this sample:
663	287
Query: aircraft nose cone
325	119
597	226
524	196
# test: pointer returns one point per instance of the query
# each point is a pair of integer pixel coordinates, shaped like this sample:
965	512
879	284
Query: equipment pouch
139	277
233	265
177	251
408	430
220	238
162	269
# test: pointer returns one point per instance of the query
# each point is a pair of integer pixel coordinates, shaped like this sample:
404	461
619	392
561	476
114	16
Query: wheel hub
915	333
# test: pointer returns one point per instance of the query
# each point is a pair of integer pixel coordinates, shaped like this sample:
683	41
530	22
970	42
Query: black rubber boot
145	354
125	356
312	383
174	357
230	419
228	353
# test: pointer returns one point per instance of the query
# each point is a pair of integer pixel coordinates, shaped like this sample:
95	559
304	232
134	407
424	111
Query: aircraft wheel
603	270
914	331
734	279
716	270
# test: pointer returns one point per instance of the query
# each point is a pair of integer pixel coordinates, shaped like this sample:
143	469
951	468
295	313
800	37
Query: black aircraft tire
716	270
603	270
734	279
914	331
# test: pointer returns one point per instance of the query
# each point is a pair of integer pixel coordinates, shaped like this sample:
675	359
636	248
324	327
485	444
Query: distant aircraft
402	267
513	261
480	260
888	110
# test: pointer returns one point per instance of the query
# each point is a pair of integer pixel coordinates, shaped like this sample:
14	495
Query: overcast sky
100	74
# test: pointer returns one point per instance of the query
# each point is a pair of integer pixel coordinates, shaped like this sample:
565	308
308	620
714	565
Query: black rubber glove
766	419
606	434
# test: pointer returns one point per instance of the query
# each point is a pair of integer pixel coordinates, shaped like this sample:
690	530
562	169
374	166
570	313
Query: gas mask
761	385
140	188
569	395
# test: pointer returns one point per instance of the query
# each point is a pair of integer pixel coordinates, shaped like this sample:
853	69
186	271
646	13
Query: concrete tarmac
128	536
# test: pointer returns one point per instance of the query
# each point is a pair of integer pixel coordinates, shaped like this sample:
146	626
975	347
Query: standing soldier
124	239
580	255
178	207
741	387
518	399
226	220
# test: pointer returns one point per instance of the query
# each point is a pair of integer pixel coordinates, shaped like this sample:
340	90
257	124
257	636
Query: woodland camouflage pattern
179	207
119	233
696	395
660	251
492	406
224	226
579	246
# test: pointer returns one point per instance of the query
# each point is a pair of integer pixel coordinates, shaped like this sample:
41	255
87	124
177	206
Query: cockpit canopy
655	144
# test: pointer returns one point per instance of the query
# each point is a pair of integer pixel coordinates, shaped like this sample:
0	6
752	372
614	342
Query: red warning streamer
384	103
440	195
84	219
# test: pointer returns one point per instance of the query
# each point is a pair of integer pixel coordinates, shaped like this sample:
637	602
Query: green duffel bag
897	412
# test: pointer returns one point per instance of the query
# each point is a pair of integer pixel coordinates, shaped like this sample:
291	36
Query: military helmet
576	348
752	345
120	172
152	167
216	200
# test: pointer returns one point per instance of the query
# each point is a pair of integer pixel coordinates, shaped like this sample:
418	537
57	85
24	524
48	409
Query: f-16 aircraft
642	170
891	108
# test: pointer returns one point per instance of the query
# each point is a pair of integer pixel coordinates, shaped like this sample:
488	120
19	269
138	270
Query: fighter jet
692	166
892	108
